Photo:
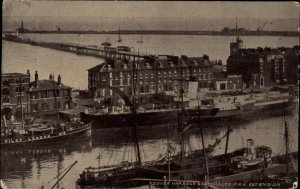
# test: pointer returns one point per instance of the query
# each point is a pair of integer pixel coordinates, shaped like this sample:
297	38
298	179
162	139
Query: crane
261	28
58	28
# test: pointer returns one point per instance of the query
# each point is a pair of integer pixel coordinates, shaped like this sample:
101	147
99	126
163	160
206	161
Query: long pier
87	50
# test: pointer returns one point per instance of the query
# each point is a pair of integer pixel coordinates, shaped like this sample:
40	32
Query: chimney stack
50	77
36	78
58	80
28	73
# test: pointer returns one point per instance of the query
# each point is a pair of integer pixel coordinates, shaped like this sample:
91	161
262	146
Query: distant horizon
150	15
156	23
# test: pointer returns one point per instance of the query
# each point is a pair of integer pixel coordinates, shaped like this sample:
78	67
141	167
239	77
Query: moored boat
26	132
43	133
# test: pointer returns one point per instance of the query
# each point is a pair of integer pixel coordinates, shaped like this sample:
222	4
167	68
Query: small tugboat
288	174
253	156
279	172
30	133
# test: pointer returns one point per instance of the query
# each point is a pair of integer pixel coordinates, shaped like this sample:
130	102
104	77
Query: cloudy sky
151	9
161	15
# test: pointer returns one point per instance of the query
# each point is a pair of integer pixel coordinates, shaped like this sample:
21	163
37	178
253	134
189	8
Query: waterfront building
228	83
152	75
13	94
263	67
291	57
49	96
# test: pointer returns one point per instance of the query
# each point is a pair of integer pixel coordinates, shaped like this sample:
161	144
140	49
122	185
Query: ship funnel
251	148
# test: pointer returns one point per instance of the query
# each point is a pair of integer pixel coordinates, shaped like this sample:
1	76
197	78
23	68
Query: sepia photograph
149	94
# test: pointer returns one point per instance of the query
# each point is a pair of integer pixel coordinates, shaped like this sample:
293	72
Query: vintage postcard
149	94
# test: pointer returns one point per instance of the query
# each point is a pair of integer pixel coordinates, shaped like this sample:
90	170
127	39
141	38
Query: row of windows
48	94
17	99
17	80
148	72
165	79
6	91
48	106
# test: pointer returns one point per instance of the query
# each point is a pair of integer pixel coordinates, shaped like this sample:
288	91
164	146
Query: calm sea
31	167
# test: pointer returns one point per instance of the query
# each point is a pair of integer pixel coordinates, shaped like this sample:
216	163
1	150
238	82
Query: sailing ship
288	163
280	172
44	132
141	40
106	43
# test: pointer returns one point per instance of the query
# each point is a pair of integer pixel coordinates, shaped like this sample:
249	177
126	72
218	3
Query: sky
147	15
148	9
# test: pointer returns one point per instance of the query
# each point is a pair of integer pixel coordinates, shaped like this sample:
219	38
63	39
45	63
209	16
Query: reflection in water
34	162
35	166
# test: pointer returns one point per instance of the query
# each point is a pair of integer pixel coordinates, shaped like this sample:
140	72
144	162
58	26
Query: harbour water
30	167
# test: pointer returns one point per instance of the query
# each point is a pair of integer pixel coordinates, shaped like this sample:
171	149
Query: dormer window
171	64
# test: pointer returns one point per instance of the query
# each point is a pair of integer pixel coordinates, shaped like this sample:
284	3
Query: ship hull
42	139
268	106
143	175
153	118
143	118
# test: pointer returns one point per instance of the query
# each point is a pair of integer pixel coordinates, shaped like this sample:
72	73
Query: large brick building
262	67
152	75
14	87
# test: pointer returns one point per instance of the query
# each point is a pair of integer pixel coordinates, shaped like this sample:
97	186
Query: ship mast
168	150
227	139
236	30
180	121
120	39
286	137
21	101
134	112
203	146
55	98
